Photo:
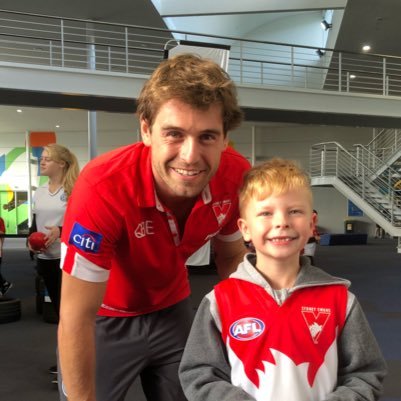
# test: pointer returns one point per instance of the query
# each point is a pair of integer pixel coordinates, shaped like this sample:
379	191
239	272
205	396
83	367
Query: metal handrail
330	159
134	49
376	163
386	145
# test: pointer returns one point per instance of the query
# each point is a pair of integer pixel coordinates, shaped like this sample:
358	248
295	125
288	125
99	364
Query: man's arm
228	255
80	300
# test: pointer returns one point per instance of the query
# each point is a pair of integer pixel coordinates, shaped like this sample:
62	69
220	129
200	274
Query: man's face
186	148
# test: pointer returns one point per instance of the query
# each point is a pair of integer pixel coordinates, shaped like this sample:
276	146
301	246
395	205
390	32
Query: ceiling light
325	25
320	52
366	48
19	111
352	76
57	126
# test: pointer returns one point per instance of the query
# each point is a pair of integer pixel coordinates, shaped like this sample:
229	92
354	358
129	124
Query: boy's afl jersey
286	352
116	229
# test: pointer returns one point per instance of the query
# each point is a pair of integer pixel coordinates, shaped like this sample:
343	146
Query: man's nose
190	150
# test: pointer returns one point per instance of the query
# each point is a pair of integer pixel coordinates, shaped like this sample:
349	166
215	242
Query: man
135	216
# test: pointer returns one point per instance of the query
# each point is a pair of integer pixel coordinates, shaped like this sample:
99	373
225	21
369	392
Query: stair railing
331	160
385	144
375	163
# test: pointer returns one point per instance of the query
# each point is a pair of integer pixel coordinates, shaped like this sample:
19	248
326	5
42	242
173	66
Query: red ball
37	241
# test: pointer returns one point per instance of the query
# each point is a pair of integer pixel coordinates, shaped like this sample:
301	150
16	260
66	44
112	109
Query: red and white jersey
115	228
286	352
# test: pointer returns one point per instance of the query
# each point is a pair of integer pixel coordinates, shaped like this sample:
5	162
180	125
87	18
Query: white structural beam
65	81
69	81
173	8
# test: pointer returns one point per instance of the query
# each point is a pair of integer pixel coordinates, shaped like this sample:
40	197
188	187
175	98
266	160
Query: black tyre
10	309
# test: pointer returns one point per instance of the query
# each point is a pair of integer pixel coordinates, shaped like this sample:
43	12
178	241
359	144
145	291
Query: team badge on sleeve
84	239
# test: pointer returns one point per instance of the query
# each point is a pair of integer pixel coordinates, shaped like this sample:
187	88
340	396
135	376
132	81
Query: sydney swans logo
315	319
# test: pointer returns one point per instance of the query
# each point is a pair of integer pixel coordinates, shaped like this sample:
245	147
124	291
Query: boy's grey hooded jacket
205	372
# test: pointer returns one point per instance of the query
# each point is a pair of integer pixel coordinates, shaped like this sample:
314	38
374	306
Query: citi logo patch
247	328
84	239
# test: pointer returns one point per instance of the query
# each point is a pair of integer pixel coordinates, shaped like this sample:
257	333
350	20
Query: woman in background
49	204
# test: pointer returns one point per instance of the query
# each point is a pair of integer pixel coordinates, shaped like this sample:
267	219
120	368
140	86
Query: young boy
280	328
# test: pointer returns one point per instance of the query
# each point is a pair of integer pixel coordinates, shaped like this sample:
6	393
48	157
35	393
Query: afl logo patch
247	328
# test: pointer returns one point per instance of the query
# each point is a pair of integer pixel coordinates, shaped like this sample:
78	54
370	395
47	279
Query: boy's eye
296	211
265	213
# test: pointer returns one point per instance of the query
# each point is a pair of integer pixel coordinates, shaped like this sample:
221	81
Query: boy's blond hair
273	177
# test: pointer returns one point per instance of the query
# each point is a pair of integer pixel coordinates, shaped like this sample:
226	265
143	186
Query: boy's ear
243	227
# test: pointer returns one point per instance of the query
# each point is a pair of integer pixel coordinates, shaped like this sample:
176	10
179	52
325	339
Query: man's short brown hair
195	81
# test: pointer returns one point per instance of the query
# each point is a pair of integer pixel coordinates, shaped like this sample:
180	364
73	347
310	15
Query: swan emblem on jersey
315	319
221	210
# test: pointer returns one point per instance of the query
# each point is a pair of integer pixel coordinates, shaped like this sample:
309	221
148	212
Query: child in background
310	246
279	328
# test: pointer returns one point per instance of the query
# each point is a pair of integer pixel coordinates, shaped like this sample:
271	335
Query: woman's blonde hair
273	177
60	153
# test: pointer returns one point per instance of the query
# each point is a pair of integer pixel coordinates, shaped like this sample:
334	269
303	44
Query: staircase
362	177
386	148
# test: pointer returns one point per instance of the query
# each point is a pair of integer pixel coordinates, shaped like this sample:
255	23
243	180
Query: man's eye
208	137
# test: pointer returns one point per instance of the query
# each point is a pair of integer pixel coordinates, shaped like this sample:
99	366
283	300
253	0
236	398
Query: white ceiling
364	21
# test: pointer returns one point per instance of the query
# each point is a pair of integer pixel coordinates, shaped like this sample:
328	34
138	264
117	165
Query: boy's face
186	147
278	226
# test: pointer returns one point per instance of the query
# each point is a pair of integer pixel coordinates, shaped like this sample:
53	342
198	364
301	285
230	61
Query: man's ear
145	132
243	227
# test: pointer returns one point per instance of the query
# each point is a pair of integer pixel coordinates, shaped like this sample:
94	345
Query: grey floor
27	347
